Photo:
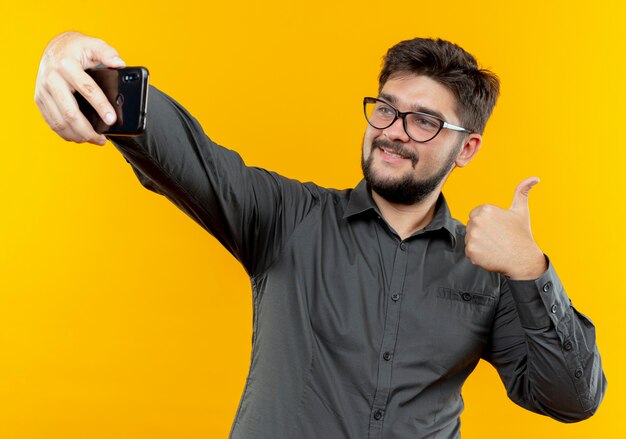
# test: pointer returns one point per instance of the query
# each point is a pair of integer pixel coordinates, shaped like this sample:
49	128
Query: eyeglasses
420	127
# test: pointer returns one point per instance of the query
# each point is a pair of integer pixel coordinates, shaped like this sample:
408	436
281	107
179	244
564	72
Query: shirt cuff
541	301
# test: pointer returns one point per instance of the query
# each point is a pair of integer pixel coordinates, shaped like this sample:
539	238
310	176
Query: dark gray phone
127	91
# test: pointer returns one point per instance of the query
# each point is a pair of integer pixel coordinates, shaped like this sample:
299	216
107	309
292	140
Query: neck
407	219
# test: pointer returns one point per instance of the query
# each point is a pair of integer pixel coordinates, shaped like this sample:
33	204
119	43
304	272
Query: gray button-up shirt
357	333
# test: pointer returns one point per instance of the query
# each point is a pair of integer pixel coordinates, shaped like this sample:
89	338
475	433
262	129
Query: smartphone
127	91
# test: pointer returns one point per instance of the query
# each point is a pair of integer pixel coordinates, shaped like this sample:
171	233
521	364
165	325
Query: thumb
100	53
520	197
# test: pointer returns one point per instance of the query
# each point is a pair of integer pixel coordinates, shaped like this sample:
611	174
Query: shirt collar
360	201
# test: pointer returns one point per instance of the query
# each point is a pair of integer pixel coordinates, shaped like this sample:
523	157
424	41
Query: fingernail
118	60
102	142
109	118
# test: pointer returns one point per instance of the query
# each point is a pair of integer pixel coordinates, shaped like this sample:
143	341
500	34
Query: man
371	305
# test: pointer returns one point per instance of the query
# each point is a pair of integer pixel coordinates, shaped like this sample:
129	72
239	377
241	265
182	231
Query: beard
406	189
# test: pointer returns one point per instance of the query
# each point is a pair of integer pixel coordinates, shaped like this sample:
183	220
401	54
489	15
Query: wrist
533	267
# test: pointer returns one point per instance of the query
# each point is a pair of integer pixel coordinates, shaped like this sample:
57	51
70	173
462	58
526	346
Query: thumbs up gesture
500	240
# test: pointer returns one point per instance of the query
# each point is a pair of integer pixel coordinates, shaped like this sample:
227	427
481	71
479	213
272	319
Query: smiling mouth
392	153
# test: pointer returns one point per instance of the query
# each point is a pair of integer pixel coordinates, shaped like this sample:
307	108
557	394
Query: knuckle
476	211
69	114
86	89
59	125
65	64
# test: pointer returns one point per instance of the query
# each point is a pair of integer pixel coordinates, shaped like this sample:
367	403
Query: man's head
476	90
432	77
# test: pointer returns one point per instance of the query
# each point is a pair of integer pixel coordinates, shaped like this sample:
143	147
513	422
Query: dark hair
476	90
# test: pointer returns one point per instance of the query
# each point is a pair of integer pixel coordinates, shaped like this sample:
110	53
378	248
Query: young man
371	305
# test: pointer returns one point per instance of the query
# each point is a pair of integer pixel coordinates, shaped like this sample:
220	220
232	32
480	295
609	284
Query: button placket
390	336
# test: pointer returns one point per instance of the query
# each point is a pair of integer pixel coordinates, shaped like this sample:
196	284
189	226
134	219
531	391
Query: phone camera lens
130	77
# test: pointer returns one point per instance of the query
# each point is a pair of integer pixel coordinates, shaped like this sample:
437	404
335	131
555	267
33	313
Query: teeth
392	154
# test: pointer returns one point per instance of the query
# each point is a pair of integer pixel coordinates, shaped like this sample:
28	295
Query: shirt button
567	346
378	414
402	246
387	356
466	296
547	287
395	297
578	373
553	309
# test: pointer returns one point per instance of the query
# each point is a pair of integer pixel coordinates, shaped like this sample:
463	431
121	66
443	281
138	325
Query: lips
392	153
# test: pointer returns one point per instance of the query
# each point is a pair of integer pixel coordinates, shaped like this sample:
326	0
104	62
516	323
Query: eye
384	110
425	122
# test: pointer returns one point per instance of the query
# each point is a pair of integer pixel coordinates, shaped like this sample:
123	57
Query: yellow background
121	318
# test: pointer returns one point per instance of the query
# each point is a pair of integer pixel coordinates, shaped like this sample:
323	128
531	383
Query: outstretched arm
252	212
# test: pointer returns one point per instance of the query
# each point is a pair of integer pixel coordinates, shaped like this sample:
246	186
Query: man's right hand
61	73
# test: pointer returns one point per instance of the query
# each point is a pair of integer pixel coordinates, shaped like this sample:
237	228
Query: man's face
399	169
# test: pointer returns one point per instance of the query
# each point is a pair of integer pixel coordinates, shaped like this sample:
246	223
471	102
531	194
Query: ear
470	147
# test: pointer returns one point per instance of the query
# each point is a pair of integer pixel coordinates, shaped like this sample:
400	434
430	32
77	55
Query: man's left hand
500	240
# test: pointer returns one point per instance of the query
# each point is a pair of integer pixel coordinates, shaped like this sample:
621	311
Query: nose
396	131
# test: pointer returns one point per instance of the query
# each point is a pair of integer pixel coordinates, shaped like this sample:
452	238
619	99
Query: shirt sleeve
251	211
545	350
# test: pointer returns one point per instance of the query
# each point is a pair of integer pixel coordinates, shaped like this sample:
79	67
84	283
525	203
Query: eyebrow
419	108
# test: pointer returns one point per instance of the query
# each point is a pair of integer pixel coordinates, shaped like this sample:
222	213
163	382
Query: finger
99	52
520	197
57	123
53	118
475	211
68	118
483	209
75	76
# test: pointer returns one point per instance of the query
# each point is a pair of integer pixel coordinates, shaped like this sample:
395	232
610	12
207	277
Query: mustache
397	148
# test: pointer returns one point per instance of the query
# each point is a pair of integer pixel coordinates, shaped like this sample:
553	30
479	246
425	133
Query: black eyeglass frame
403	115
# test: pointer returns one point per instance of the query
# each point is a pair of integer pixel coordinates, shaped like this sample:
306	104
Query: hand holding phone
61	72
127	91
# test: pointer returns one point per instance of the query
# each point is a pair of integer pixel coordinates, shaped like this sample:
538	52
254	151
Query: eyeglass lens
420	127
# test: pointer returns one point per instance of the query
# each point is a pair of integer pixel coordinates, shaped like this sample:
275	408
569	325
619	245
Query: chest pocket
462	326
